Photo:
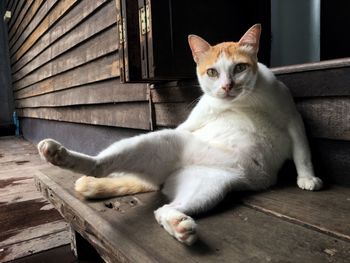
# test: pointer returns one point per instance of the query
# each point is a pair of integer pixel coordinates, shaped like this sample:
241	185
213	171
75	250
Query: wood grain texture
109	91
18	19
35	15
101	45
17	31
318	83
326	117
15	14
52	16
101	69
128	115
32	59
231	233
326	211
28	223
327	64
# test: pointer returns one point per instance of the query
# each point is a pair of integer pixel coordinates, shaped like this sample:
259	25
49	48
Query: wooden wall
65	64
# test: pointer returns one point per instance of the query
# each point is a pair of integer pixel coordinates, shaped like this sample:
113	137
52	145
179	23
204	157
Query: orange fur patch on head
231	50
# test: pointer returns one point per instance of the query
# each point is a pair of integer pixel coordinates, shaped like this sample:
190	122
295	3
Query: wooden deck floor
28	223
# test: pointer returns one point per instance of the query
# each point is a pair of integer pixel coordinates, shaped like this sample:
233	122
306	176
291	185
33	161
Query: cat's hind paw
52	151
310	183
177	224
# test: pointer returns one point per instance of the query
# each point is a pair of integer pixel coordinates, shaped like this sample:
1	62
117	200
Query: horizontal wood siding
65	64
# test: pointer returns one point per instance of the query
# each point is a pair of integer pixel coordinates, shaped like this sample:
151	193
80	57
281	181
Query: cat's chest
231	127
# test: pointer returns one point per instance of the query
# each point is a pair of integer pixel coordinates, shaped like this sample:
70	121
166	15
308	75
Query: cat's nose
227	87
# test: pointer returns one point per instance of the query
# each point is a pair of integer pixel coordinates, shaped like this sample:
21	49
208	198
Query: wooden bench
283	224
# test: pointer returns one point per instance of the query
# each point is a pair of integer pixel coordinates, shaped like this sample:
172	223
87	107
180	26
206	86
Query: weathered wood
15	13
318	83
59	10
32	59
129	232
101	69
28	223
101	45
326	211
176	92
324	117
327	64
109	91
29	247
331	160
171	114
36	232
15	24
35	15
128	115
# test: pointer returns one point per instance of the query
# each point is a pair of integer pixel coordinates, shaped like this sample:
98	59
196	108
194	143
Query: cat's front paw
309	183
52	151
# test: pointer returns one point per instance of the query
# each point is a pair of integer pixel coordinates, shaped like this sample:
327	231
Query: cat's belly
239	135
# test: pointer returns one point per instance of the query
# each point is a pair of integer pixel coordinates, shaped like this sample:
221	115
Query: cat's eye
240	67
212	72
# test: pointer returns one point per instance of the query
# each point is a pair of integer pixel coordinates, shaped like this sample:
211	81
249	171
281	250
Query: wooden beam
47	48
52	16
109	91
127	115
98	46
100	69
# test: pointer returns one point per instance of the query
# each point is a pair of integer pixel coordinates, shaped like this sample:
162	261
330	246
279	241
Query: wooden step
284	224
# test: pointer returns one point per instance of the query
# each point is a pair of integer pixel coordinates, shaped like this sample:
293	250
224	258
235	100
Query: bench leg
82	249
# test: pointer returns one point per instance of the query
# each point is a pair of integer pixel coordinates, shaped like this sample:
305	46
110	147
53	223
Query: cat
236	138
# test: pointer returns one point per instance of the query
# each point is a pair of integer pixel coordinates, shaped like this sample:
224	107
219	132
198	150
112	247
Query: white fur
227	143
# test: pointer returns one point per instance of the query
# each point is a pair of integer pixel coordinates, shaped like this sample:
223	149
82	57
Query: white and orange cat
236	138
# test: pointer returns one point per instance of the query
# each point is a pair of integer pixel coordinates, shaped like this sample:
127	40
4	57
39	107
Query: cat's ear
251	38
198	46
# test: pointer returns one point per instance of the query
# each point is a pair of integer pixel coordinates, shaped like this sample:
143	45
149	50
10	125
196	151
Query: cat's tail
122	184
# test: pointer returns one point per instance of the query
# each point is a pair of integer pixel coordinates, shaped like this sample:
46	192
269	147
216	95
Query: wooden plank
103	44
30	210
327	64
34	16
29	247
15	13
171	114
319	83
331	160
59	10
176	92
131	234
81	11
100	69
326	117
36	232
14	25
326	211
128	115
109	91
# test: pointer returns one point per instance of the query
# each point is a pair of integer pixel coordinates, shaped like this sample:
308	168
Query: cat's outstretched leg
55	153
302	158
154	155
195	189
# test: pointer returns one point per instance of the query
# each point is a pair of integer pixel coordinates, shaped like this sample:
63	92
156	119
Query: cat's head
227	70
